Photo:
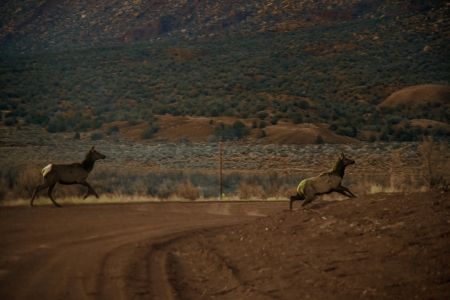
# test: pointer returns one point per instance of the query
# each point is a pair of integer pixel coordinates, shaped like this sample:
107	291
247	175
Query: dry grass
249	191
397	176
435	169
26	182
188	191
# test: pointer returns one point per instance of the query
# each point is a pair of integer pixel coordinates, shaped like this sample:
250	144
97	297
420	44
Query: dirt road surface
98	251
374	247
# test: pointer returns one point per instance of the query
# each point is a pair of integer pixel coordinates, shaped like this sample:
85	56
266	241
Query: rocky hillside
39	25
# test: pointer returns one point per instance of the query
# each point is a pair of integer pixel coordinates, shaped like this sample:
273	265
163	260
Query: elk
75	173
325	183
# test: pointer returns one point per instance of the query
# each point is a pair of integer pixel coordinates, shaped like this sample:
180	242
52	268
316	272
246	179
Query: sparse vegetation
95	136
188	191
232	132
435	168
299	75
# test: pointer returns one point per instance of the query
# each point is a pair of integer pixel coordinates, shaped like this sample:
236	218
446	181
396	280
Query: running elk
325	183
75	173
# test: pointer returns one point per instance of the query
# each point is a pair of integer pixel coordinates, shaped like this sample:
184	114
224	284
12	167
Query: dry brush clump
188	191
435	168
248	191
398	178
26	182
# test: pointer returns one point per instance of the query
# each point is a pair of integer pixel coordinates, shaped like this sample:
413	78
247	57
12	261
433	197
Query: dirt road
98	251
373	247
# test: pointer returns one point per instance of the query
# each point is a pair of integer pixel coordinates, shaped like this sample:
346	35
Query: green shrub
10	121
262	115
231	132
150	132
56	125
112	129
95	136
37	118
318	140
297	119
261	134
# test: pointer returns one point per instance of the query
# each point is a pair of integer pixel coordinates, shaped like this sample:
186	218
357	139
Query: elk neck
88	163
338	168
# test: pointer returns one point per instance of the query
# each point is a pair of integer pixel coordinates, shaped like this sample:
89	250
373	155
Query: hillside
82	66
37	25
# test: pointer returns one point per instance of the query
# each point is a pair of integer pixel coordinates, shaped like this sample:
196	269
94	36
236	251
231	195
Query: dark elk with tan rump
75	173
325	183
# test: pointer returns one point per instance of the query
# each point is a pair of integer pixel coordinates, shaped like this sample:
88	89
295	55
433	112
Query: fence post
220	168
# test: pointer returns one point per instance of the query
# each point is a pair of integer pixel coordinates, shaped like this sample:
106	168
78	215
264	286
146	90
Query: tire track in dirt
103	251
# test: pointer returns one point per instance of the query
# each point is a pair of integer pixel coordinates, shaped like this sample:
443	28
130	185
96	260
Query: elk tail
46	170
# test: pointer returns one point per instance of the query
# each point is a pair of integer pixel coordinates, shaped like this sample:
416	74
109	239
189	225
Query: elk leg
310	194
344	189
308	199
342	193
295	198
50	190
89	191
37	190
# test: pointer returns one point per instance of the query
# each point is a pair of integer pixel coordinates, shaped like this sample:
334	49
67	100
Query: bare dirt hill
200	129
430	95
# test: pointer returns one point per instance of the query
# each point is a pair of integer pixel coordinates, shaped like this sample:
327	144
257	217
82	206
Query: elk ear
342	156
92	148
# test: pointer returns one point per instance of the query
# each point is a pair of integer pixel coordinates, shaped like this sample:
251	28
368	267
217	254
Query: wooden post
220	168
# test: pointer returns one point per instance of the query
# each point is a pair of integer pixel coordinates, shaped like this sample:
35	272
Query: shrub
235	131
95	136
10	121
150	132
318	140
37	118
188	191
348	131
274	120
112	129
435	167
56	125
261	134
262	115
247	191
26	182
133	122
297	119
384	136
303	104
